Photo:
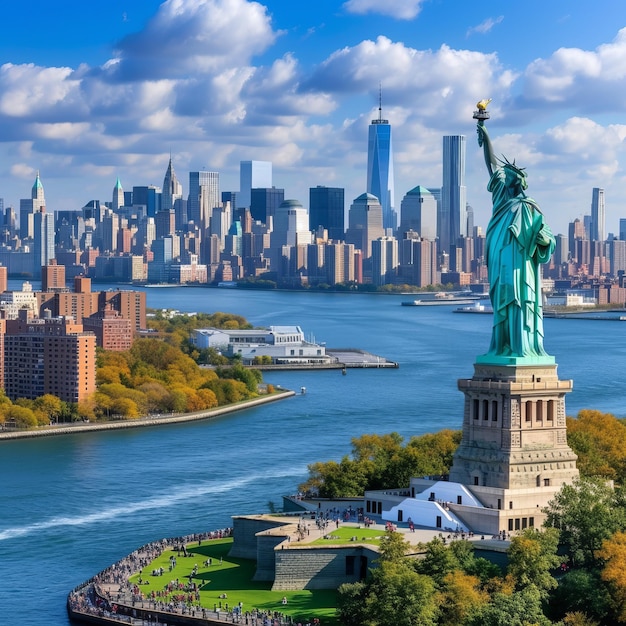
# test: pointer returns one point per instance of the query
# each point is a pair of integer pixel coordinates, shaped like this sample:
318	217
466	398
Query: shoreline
142	422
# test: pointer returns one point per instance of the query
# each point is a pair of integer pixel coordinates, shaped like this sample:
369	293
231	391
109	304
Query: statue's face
515	179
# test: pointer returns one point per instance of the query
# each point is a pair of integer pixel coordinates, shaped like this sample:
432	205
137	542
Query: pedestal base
513	454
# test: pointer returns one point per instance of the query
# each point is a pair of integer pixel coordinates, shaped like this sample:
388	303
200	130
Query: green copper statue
517	242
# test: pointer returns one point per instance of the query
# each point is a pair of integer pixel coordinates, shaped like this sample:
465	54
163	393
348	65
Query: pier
342	359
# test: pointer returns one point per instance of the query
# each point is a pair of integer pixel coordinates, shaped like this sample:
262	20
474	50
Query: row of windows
488	410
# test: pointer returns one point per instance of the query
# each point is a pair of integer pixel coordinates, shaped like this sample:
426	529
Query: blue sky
94	90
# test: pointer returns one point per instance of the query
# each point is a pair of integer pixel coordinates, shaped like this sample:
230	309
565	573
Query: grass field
345	534
233	577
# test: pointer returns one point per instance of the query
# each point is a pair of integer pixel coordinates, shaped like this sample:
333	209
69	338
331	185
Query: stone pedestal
514	455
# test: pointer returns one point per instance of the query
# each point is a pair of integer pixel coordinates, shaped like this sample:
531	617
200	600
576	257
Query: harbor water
72	505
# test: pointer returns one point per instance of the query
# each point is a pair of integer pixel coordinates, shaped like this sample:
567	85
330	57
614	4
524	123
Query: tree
399	596
351	604
599	440
580	592
461	595
438	561
532	557
392	547
520	608
50	406
586	513
613	553
23	416
380	461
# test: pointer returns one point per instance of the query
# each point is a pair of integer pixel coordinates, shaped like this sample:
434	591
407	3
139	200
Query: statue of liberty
517	242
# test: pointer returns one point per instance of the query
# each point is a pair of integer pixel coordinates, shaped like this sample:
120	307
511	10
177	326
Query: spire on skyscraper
37	190
118	195
380	166
172	189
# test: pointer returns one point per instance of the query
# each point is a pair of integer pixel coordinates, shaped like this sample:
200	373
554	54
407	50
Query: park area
204	576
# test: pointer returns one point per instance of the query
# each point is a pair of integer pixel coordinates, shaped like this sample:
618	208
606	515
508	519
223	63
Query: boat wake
183	494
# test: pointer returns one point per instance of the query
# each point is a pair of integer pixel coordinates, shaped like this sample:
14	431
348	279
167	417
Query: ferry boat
477	307
442	297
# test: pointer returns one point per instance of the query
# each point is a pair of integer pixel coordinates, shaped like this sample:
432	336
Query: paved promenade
150	420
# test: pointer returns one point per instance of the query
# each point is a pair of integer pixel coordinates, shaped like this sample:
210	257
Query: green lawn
344	534
233	577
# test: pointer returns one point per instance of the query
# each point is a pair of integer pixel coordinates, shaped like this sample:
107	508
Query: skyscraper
453	216
172	189
252	175
43	235
118	196
264	202
418	212
597	215
380	167
204	196
326	208
365	223
30	206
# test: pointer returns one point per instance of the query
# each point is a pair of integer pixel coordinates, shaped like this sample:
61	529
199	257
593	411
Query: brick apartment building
49	355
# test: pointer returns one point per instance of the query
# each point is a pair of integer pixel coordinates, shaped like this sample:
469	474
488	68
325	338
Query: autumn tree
613	553
599	440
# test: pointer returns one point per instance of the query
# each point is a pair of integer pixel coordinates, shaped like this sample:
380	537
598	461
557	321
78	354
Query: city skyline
88	104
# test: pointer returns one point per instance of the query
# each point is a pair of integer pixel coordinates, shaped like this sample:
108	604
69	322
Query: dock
341	359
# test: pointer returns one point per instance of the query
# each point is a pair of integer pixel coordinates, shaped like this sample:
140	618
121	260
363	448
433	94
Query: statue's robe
517	242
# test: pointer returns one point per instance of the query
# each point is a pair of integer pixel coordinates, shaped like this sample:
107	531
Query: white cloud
590	81
399	9
486	26
27	90
440	86
193	36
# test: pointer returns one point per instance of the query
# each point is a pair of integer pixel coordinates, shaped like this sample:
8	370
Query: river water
72	505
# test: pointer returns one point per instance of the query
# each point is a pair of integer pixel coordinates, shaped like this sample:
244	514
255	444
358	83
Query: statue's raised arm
516	243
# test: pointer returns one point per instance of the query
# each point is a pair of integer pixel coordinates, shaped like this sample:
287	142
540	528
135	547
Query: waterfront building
380	179
343	263
283	344
418	212
417	261
452	222
111	330
384	260
326	209
50	355
253	175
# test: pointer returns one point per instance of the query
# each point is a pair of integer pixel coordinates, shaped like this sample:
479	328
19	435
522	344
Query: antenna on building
380	101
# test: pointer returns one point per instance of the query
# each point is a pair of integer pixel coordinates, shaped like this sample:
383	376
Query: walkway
150	420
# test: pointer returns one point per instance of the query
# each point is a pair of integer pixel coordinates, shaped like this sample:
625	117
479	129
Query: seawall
148	421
